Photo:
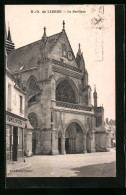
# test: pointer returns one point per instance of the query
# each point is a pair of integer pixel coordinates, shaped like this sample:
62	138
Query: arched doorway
74	139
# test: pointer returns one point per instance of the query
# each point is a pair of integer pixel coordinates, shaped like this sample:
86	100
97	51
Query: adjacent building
112	127
15	118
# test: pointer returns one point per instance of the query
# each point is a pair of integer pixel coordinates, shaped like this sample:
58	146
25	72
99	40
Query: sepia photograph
60	90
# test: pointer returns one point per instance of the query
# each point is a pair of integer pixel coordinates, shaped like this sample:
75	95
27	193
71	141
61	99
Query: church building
57	97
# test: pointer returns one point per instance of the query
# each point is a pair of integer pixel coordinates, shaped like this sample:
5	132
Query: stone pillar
63	151
84	143
54	143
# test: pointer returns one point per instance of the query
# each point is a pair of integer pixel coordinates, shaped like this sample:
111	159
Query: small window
21	100
32	84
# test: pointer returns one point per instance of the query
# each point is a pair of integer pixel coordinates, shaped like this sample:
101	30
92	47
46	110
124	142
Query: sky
93	26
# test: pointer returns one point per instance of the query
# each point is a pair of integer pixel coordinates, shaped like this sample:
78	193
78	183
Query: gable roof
27	57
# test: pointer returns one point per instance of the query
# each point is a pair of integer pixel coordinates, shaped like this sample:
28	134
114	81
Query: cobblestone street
100	164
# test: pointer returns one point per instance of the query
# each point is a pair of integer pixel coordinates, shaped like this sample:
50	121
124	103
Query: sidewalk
16	166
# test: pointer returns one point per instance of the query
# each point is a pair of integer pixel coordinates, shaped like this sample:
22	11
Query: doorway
59	145
74	139
59	142
34	143
67	146
15	143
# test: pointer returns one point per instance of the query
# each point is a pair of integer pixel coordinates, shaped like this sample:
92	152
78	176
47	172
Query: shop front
14	136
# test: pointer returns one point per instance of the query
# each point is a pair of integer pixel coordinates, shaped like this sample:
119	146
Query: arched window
32	85
65	93
33	119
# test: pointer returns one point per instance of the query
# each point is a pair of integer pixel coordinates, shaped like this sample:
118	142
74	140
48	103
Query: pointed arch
78	122
66	91
32	83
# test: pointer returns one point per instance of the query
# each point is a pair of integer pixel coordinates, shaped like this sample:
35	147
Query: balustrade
73	106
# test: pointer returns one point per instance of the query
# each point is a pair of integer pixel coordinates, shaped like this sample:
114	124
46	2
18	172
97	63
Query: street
99	164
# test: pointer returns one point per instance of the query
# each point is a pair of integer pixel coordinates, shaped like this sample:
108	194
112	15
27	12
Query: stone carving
73	106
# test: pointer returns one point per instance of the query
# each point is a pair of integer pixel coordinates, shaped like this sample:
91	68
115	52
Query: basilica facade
57	97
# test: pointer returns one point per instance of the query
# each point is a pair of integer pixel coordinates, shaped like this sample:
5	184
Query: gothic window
65	93
32	84
64	49
33	119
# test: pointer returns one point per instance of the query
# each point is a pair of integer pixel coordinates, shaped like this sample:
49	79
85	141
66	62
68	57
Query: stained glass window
65	93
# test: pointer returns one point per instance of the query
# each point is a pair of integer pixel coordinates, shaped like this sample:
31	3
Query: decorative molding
68	110
16	116
67	72
15	121
64	65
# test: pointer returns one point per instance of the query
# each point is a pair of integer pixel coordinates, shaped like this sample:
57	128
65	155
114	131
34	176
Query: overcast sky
82	24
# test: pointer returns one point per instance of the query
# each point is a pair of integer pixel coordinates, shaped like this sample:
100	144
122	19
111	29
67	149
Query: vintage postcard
60	90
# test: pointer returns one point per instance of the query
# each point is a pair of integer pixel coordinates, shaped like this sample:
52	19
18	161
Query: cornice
71	111
67	72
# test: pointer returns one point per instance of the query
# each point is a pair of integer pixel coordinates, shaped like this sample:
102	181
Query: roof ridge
54	34
34	42
25	45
